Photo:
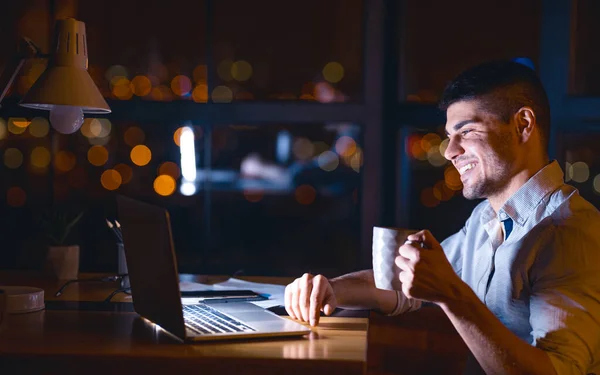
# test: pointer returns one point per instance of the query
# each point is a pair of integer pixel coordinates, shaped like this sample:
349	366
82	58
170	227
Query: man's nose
454	148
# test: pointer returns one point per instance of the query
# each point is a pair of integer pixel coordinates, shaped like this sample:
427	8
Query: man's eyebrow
459	125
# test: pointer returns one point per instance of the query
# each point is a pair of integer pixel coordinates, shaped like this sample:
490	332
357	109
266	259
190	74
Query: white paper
276	293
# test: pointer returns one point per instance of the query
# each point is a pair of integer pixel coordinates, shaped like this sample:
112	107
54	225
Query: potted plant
62	258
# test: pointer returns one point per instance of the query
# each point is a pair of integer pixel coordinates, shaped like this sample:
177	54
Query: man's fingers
288	300
304	297
409	252
295	300
319	289
404	264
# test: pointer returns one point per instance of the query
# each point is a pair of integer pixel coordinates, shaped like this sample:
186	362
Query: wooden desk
93	342
122	343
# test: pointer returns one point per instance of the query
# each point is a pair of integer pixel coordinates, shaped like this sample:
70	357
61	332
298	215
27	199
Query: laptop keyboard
206	320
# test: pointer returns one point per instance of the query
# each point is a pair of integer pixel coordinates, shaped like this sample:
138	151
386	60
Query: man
520	281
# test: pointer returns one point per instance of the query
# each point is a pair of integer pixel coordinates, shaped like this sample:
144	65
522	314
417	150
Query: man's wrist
458	297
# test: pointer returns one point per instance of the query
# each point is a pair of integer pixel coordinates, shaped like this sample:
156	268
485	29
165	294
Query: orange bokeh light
169	168
141	85
253	195
64	161
305	194
140	155
16	197
164	185
111	179
125	171
98	155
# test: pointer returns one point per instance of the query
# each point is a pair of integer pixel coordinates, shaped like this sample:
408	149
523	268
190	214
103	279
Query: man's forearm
496	348
357	291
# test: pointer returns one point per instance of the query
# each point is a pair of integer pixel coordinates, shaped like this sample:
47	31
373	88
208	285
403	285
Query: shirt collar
519	206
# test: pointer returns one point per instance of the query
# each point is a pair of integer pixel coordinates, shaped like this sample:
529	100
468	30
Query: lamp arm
26	49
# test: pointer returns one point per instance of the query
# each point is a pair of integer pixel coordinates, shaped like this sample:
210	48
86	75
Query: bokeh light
97	155
452	178
17	125
15	196
356	161
38	128
199	74
428	198
596	183
253	195
222	94
200	93
568	172
224	70
181	85
442	192
177	136
580	171
164	185
333	72
416	149
305	194
328	161
303	149
134	136
122	88
116	71
435	157
241	70
345	146
125	171
430	140
444	146
140	155
169	168
40	157
110	179
141	85
13	158
3	130
64	161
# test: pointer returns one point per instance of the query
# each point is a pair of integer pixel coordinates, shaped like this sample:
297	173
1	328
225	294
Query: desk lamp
65	88
67	91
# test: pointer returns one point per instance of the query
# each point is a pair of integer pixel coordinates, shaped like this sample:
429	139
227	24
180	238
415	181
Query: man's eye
465	132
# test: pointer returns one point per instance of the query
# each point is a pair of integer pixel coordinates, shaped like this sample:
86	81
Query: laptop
152	268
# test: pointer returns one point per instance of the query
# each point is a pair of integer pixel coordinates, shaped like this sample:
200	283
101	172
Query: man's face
482	148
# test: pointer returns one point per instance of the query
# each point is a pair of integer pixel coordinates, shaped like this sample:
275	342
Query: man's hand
425	272
307	296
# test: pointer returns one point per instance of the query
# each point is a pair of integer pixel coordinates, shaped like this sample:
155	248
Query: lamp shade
66	81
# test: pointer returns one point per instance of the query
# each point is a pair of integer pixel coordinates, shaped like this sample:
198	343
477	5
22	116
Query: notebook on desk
152	267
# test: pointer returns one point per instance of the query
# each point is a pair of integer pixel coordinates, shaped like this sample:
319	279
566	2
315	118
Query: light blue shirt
543	280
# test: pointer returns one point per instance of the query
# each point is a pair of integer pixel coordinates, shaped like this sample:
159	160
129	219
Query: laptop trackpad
259	316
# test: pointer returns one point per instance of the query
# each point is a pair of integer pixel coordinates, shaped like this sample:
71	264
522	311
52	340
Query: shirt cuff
404	304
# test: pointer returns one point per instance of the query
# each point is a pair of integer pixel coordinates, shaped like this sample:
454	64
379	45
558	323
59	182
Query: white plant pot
62	262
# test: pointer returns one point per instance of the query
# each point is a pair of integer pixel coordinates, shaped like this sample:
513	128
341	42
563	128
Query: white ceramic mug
386	245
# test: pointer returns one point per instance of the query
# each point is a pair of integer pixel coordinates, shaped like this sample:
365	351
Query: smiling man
521	280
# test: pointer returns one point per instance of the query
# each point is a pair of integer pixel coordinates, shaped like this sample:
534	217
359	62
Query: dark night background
313	121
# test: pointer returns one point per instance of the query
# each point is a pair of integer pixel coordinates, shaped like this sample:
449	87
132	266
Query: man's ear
525	123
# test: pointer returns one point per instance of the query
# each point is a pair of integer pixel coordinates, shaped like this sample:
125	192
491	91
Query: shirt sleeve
565	300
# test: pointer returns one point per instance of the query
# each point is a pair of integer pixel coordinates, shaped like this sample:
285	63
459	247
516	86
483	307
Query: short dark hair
503	87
